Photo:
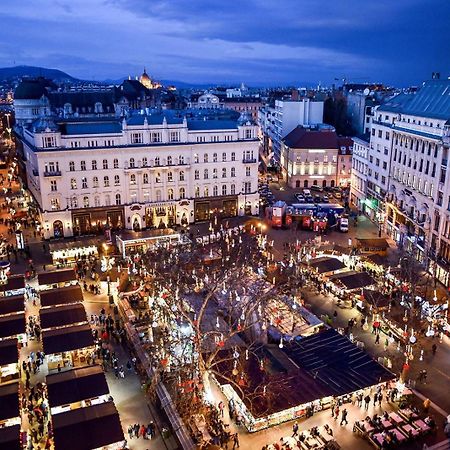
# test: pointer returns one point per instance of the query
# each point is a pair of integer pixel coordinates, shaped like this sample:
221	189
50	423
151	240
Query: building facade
360	159
138	172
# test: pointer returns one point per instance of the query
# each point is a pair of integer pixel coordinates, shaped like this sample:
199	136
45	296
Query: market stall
139	241
12	325
10	438
9	403
63	315
327	264
353	280
9	357
96	426
61	296
65	347
57	277
373	245
66	253
12	304
79	387
13	286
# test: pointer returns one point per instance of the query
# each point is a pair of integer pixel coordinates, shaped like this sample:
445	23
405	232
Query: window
380	133
174	136
387	135
248	187
248	134
197	191
116	180
158	178
54	202
144	162
94	164
136	138
169	160
196	175
74	202
233	156
83	165
53	186
181	160
118	199
214	173
181	175
247	171
215	191
49	141
116	163
107	200
73	183
71	166
156	137
206	192
86	202
383	179
106	181
214	157
224	172
95	182
96	201
205	157
224	156
157	161
373	131
182	192
132	179
205	174
158	195
132	163
145	178
196	159
224	189
384	165
233	189
233	172
169	176
170	194
84	184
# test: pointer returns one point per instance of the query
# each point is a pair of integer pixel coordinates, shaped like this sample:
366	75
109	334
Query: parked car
337	195
317	188
317	199
300	198
309	199
325	199
306	192
343	224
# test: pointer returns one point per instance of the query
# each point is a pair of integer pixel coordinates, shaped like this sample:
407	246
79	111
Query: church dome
145	79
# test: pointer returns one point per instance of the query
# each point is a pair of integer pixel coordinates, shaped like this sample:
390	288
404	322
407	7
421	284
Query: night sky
259	42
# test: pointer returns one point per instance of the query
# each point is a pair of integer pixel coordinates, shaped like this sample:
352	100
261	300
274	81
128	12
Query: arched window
105	163
86	202
84	184
73	183
169	160
116	180
224	189
224	172
95	182
233	172
158	178
157	161
83	165
181	159
205	174
133	179
196	159
94	164
214	157
206	192
169	176
214	173
205	157
182	192
181	176
215	191
170	194
144	162
74	202
118	199
116	163
196	175
131	163
97	201
98	107
224	156
233	189
233	156
145	178
106	181
71	166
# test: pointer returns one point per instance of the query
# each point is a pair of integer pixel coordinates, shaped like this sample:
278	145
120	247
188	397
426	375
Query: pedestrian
221	407
235	441
375	398
344	417
380	398
426	405
336	412
367	401
360	399
295	429
377	338
363	321
130	432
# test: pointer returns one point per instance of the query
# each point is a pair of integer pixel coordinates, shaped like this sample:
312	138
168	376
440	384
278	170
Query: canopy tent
9	401
60	296
12	325
326	264
76	385
87	428
9	353
67	339
12	304
62	315
376	298
14	283
354	280
10	438
56	276
373	244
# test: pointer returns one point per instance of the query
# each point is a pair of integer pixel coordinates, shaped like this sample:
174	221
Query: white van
343	224
306	192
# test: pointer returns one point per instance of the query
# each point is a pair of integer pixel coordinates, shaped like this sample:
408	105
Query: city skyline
259	43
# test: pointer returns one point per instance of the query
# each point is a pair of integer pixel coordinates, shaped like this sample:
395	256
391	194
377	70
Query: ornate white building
89	174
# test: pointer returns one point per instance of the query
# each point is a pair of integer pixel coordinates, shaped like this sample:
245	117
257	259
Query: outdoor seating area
318	438
390	430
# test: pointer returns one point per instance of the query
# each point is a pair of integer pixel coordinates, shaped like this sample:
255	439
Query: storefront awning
61	296
14	283
9	401
10	438
12	304
12	325
326	264
56	276
67	339
9	353
62	315
354	280
84	428
76	385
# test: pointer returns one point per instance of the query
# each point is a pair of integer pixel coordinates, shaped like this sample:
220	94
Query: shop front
68	253
9	357
97	220
220	207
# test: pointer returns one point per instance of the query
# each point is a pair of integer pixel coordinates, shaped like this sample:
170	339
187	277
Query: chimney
294	95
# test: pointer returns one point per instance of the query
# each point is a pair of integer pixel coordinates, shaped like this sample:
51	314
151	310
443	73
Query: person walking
295	429
377	338
360	399
235	441
336	412
426	405
367	401
344	417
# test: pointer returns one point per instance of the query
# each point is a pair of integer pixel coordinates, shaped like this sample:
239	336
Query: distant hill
33	71
178	84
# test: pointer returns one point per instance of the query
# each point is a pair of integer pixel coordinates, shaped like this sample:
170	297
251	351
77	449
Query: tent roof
94	426
327	264
56	276
60	296
10	438
12	325
67	339
9	353
75	385
12	304
379	243
354	280
9	401
15	282
62	315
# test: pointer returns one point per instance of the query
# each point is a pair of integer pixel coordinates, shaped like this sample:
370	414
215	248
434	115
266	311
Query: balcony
52	173
246	160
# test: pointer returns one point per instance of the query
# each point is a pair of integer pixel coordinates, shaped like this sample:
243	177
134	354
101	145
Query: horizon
208	42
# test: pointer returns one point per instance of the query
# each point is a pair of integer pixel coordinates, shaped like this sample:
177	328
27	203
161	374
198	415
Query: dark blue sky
256	41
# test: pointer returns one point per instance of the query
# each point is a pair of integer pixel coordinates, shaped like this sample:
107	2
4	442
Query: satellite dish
366	91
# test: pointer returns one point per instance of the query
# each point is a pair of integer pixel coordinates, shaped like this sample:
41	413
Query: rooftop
309	138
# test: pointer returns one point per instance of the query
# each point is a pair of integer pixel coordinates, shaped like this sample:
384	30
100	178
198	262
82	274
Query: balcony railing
52	173
248	160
